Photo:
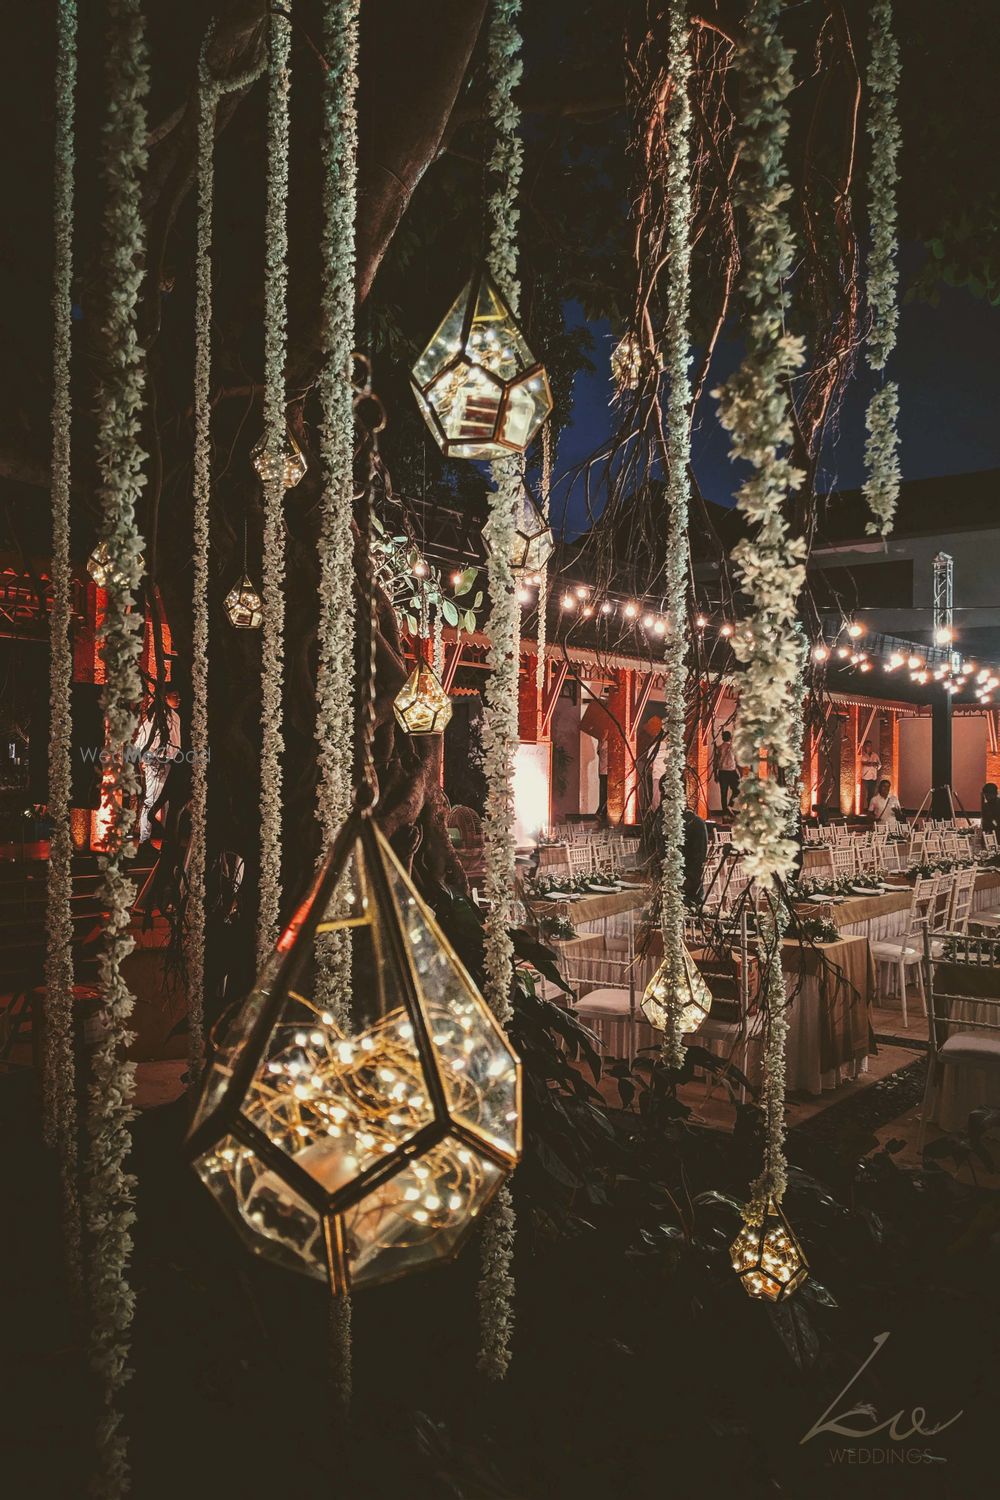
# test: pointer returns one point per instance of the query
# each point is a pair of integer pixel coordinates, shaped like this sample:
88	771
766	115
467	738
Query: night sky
948	368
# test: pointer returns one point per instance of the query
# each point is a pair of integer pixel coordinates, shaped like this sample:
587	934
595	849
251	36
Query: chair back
963	892
843	861
581	860
965	957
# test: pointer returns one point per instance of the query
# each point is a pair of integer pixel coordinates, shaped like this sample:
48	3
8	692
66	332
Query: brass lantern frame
774	1217
456	447
225	1117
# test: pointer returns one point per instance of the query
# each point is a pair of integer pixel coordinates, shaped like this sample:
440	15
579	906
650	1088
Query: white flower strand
209	93
335	675
882	468
334	691
774	1177
500	717
543	577
677	343
273	572
754	408
58	1075
110	1195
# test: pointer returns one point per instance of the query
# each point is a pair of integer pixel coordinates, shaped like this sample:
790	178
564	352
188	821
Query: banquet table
882	917
596	907
830	988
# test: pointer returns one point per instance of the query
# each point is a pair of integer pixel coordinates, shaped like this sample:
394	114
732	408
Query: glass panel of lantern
480	388
286	467
243	607
364	1104
768	1258
102	569
694	996
422	706
533	539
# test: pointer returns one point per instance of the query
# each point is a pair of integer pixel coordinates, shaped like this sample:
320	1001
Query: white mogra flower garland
210	91
543	577
110	1195
500	717
881	486
677	346
754	407
59	1098
334	716
335	676
273	571
437	642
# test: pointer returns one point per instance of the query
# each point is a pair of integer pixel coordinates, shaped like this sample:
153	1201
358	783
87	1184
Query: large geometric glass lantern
363	1105
243	606
481	390
695	997
422	706
286	467
768	1258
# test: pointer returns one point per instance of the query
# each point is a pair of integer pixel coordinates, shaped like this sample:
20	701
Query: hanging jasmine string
58	1074
543	577
500	718
273	570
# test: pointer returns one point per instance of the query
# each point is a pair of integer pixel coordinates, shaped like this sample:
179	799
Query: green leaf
449	612
477	601
470	621
468	578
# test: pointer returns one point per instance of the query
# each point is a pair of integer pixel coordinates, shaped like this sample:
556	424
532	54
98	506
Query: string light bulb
821	652
725	630
855	631
630	611
568	601
700	622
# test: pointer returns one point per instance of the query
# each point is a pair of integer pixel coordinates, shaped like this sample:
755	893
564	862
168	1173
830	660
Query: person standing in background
990	818
871	769
602	777
727	772
884	807
156	745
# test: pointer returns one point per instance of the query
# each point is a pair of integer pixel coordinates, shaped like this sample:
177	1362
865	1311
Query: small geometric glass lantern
481	390
533	539
243	606
286	467
422	706
768	1258
695	998
627	362
357	1149
101	568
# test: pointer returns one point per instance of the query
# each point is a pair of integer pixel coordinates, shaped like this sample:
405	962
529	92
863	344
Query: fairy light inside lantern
357	1152
422	706
285	468
768	1258
694	998
480	388
101	567
243	606
627	362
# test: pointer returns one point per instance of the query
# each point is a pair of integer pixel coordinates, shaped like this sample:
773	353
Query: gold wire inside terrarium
422	706
693	996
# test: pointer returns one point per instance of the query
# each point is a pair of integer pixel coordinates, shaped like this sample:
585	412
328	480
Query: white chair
843	861
906	953
608	991
962	894
973	1043
733	1034
581	860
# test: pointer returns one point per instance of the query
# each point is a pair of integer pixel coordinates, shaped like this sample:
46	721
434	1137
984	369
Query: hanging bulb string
369	414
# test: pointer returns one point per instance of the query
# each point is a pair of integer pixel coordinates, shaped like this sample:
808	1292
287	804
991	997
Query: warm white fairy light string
273	567
500	717
754	406
882	445
59	1098
677	350
335	676
110	1194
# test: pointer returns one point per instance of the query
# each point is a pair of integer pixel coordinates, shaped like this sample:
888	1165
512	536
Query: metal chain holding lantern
359	1148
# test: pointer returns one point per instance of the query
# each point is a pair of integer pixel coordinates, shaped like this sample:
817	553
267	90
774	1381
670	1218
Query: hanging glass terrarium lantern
102	570
481	390
422	706
243	606
767	1257
286	467
533	543
695	997
627	363
357	1151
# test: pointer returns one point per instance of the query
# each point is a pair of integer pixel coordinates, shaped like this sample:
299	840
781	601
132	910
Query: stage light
944	635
